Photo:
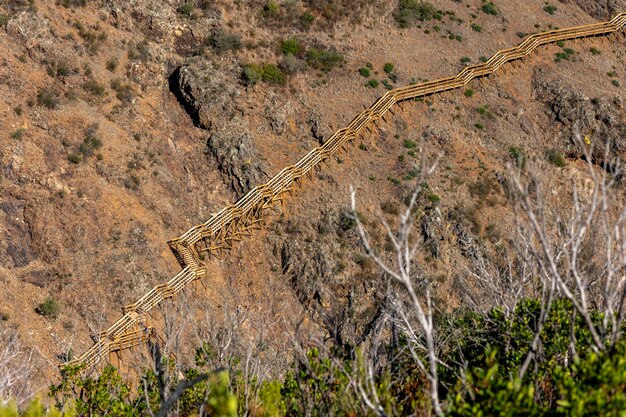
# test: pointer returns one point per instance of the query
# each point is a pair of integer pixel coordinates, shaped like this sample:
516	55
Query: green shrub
223	41
469	93
272	74
372	83
185	9
75	158
410	11
347	221
479	126
387	84
49	308
323	59
18	110
270	10
123	91
93	88
489	8
48	98
476	27
388	68
466	60
3	19
518	156
556	158
111	64
550	9
594	51
291	47
409	144
615	83
291	65
365	72
18	134
251	74
306	20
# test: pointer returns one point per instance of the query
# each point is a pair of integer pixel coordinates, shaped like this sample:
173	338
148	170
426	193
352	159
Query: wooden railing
229	224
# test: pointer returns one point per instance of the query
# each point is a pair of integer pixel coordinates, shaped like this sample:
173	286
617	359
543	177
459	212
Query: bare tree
15	369
420	332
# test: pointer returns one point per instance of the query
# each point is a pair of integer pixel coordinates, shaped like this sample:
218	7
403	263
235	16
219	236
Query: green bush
365	72
615	83
223	41
476	27
272	74
388	68
409	144
550	9
291	47
323	59
469	93
93	87
48	97
306	20
489	8
251	74
372	83
185	9
466	60
594	51
49	308
518	156
556	158
410	11
18	134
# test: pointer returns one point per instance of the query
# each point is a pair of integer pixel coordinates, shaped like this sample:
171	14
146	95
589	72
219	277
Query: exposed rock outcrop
600	118
233	148
206	90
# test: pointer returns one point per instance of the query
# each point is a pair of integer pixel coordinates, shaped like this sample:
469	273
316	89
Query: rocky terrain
124	123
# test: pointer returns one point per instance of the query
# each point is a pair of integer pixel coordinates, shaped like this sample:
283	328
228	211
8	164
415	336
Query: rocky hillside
123	123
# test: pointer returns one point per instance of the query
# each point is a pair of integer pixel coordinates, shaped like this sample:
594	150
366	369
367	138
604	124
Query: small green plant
49	98
434	198
477	27
133	182
223	41
409	144
469	93
594	51
93	87
615	83
550	9
49	308
251	74
323	59
365	72
185	9
306	20
18	110
75	158
489	8
484	111
272	74
394	181
372	83
387	84
479	126
465	60
411	11
111	64
291	46
560	44
388	68
270	10
518	156
556	158
18	134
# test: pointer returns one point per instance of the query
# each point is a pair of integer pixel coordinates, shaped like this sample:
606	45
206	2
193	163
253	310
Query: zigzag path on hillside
229	224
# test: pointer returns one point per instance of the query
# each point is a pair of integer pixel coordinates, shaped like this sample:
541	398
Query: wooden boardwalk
228	225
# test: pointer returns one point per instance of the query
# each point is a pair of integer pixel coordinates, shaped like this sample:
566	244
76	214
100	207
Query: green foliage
518	155
347	221
272	74
466	60
372	83
550	9
594	51
615	83
33	409
49	308
48	97
365	72
185	9
94	88
489	8
291	46
411	11
477	27
388	68
306	20
479	126
469	93
409	144
18	134
223	41
323	59
556	158
251	74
